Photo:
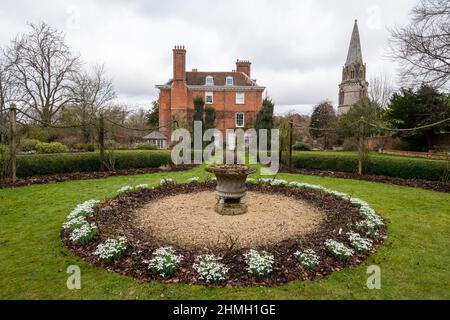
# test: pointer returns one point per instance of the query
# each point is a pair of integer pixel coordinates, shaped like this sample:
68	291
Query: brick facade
176	97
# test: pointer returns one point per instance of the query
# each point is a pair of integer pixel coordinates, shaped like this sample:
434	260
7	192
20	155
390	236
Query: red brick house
235	95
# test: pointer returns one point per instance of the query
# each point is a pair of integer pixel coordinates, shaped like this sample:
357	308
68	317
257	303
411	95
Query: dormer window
209	81
229	81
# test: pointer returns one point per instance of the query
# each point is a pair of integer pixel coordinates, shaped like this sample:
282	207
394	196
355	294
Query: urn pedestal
230	187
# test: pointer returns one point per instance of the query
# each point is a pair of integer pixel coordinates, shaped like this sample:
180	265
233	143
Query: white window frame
240	101
209	93
211	80
236	119
229	78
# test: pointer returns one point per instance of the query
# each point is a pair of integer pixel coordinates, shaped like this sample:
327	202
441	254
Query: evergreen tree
199	105
152	116
323	117
210	118
264	118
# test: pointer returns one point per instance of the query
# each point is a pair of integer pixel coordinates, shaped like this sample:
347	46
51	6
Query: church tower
354	86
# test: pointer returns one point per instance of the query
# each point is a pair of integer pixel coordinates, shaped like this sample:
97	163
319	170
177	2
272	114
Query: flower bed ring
351	232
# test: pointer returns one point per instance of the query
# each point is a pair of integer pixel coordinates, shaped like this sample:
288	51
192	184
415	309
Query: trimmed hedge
44	164
399	167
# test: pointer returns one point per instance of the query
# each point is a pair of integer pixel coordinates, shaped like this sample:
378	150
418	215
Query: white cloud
297	47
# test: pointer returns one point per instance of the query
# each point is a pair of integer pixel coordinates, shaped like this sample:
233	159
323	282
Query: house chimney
179	63
243	66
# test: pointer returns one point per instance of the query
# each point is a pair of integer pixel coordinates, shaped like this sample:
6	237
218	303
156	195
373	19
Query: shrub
301	146
392	166
83	234
339	250
146	146
43	164
111	249
87	147
308	258
52	147
27	145
210	269
259	264
164	261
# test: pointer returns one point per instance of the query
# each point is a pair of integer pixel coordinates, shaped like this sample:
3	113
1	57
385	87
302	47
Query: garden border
414	183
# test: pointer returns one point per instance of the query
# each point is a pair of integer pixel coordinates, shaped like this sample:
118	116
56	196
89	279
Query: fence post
361	146
101	142
12	141
291	129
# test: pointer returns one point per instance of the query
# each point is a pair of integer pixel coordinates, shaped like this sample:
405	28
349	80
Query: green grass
414	259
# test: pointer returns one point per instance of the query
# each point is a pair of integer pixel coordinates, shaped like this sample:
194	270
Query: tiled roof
198	78
154	135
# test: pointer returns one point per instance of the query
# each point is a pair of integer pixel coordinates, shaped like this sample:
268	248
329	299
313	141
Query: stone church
354	85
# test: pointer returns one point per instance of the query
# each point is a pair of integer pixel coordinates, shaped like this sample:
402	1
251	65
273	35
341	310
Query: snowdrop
111	249
308	258
85	209
359	243
193	179
164	261
259	264
166	181
278	183
210	269
142	186
125	189
83	234
74	223
339	250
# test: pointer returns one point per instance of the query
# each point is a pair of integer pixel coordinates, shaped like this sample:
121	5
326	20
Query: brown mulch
416	183
115	218
90	175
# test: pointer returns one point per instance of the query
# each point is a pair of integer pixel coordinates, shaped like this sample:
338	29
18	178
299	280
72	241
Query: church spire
354	55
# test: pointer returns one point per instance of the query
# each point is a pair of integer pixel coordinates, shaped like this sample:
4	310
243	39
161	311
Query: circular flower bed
106	235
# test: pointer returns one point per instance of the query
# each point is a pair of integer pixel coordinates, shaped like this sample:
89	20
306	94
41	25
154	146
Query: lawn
413	260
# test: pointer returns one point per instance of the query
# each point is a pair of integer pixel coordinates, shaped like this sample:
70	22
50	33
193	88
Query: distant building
354	85
156	138
233	94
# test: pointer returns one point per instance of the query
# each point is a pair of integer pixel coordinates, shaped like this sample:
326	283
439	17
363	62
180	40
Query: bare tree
423	47
91	93
381	89
5	95
42	69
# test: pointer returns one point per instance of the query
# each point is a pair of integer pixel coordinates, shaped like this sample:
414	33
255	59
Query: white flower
141	186
278	183
125	189
83	234
164	261
166	181
259	264
74	223
193	179
209	268
85	209
359	243
111	249
339	250
251	181
308	258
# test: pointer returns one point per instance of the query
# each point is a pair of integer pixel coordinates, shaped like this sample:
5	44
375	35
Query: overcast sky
297	48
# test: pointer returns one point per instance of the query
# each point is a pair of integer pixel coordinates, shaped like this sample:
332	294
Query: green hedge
392	166
43	164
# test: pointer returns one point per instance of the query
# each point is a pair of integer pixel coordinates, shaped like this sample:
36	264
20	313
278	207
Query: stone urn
230	187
